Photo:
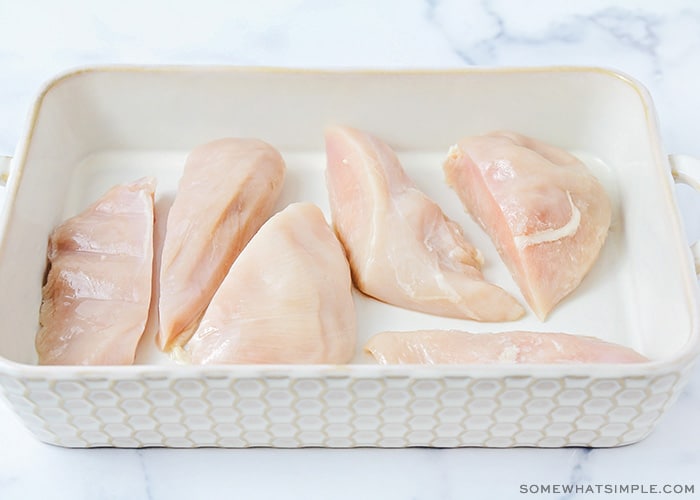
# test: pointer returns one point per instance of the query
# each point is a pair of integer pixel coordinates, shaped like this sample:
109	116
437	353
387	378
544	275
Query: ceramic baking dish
92	128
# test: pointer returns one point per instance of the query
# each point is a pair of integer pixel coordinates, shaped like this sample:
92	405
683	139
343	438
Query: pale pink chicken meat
98	288
545	211
402	248
435	347
286	299
227	191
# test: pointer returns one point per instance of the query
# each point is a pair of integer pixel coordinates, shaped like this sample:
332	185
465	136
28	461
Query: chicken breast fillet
402	248
435	347
286	299
546	213
228	190
97	293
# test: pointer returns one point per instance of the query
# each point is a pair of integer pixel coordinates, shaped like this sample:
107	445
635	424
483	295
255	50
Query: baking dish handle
686	170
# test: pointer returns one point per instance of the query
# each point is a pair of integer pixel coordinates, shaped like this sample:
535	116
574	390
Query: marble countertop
656	42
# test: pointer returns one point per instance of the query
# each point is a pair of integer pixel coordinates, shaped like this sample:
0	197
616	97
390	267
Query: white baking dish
93	128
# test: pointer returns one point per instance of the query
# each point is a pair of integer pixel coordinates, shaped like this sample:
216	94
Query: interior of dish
94	129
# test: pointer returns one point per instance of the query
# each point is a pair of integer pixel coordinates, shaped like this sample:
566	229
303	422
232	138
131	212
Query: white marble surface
658	42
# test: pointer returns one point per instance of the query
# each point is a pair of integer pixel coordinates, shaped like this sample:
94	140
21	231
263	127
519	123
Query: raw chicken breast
546	213
452	347
228	189
97	293
402	248
286	299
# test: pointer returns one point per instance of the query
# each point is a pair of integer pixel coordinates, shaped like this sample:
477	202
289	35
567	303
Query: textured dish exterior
228	410
343	406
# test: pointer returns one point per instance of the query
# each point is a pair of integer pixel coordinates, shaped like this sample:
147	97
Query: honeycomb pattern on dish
341	411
